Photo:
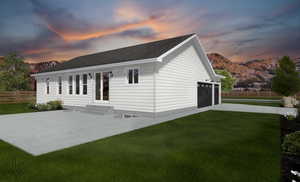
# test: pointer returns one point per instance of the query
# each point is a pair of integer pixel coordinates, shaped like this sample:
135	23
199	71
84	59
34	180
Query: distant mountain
254	73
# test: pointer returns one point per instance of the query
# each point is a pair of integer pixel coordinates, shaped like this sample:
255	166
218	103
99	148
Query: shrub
31	106
291	143
55	105
290	117
43	107
52	105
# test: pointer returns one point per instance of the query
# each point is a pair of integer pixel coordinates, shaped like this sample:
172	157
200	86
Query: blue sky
241	30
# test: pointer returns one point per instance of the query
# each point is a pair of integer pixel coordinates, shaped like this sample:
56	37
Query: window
133	76
77	80
136	75
70	85
84	84
98	86
47	86
59	85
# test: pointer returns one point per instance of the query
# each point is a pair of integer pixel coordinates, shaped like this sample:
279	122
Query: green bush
55	105
291	143
31	106
52	105
43	107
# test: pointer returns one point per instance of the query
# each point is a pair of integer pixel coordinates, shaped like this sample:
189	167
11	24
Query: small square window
133	76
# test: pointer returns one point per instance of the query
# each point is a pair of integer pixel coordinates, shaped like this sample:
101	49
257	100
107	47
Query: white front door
101	86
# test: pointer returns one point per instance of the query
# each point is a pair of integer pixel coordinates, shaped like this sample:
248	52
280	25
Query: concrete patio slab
44	132
256	109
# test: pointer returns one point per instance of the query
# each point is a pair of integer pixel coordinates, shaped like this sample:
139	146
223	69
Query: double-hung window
71	85
133	76
47	86
77	82
59	85
84	84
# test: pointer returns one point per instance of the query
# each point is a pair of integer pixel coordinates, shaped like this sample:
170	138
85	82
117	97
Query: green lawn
254	103
212	146
14	108
253	97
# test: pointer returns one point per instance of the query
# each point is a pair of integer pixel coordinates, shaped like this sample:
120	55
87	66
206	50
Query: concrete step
102	110
99	109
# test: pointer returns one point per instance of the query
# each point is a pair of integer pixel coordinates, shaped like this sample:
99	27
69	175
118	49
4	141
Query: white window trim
47	82
76	84
127	78
87	83
61	85
72	84
101	101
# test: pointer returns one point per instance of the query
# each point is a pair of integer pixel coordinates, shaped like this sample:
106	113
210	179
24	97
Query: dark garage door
204	94
216	94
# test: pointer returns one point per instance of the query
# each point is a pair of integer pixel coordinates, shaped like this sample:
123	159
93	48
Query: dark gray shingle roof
137	52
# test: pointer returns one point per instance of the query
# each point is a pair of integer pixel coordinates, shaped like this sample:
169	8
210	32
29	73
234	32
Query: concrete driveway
42	132
256	109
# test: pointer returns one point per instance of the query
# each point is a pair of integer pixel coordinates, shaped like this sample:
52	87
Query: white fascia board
207	60
211	82
220	76
160	58
91	68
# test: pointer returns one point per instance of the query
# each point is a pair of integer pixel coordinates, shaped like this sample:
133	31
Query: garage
204	94
217	94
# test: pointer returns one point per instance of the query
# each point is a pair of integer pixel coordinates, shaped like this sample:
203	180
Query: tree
14	73
227	82
286	82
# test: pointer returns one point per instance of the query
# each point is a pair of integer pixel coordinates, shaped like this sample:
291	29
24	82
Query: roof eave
160	58
91	68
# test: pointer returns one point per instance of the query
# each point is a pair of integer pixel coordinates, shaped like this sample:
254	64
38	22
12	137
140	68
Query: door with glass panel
102	86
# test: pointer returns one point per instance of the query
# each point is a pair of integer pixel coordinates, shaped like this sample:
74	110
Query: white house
153	78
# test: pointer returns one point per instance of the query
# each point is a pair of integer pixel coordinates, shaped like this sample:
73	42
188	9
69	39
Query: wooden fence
251	94
17	97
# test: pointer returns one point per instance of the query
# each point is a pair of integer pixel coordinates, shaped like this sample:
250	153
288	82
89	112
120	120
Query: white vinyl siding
176	80
133	97
123	96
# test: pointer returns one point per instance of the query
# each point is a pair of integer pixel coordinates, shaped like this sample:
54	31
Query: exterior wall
122	96
133	97
72	100
176	79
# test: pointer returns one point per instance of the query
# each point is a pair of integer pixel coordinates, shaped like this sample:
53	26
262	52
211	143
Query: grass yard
14	108
254	103
212	146
253	97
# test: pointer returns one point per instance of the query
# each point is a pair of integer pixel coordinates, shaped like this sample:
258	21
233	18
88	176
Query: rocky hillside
255	73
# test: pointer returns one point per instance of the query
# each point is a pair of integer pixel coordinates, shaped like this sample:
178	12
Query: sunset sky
241	30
